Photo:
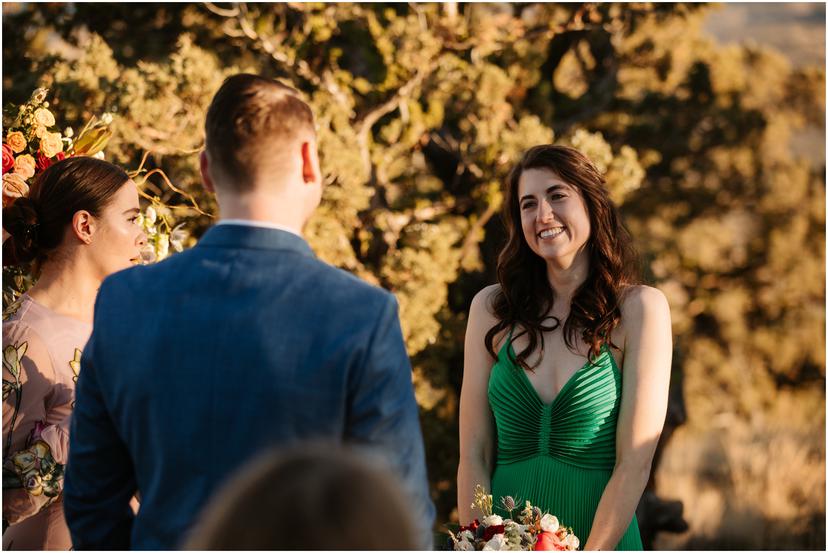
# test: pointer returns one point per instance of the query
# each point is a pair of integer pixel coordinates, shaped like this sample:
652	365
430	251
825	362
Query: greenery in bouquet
531	530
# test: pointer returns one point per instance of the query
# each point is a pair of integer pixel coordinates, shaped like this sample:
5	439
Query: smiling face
118	241
553	216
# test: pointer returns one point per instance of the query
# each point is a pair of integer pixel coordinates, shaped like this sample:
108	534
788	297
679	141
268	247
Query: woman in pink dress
77	226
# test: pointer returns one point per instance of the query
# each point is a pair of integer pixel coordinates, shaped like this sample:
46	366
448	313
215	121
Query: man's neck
266	209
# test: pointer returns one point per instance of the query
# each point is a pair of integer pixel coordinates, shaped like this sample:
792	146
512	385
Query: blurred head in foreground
309	498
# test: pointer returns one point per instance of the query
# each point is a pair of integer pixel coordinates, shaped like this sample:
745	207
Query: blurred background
708	120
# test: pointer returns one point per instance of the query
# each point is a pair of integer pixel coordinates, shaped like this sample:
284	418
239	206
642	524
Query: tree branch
368	120
221	11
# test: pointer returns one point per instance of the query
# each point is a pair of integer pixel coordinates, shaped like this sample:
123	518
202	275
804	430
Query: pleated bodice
560	455
578	427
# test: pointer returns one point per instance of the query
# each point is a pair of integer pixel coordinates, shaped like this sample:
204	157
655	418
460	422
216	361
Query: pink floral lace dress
41	361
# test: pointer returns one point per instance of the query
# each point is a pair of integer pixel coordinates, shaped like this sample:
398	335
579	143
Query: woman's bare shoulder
483	302
641	296
640	302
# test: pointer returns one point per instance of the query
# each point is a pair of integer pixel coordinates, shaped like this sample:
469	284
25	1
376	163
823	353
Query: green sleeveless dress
558	456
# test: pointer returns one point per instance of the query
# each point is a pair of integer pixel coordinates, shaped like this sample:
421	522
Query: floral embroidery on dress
35	470
74	364
12	354
12	309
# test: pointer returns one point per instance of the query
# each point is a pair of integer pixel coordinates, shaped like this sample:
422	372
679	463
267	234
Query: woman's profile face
553	216
118	241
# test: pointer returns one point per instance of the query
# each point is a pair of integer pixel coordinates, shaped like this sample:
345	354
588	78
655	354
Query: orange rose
51	144
24	165
17	141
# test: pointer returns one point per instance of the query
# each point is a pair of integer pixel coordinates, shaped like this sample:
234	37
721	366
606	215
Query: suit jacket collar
253	238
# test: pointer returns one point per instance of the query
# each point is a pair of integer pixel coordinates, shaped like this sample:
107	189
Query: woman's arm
646	380
476	422
32	476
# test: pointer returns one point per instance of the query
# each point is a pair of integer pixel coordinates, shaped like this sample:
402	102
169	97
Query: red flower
492	530
471	527
8	158
547	541
44	162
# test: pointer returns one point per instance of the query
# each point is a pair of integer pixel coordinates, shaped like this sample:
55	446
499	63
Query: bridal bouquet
532	531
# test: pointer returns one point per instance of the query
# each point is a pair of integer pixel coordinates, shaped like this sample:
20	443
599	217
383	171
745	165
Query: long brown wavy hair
525	296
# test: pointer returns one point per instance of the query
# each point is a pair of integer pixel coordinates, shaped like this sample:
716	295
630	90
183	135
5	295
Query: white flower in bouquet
148	254
466	535
549	523
150	215
463	545
44	118
497	543
177	237
571	542
492	520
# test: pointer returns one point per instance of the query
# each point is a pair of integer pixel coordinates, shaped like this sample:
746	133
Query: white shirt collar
259	224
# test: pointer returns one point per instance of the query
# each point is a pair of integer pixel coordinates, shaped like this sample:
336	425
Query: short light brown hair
251	124
313	496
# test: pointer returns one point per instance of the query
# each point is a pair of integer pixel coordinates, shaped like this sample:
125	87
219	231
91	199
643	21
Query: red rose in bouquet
492	530
8	158
472	527
547	541
44	162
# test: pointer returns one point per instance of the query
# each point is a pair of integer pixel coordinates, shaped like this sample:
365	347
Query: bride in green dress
567	359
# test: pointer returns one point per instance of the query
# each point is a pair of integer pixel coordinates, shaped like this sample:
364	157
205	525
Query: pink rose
24	165
14	186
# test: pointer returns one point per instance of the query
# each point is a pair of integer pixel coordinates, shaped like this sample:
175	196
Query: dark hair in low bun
20	221
37	224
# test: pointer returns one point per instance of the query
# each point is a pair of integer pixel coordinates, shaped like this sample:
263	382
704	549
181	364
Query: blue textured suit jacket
202	361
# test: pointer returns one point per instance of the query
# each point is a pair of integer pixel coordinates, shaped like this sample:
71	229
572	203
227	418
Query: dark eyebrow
552	188
132	210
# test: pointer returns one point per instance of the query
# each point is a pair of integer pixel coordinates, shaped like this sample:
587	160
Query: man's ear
84	226
204	165
310	163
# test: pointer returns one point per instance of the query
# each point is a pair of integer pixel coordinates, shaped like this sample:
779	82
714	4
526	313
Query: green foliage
421	113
